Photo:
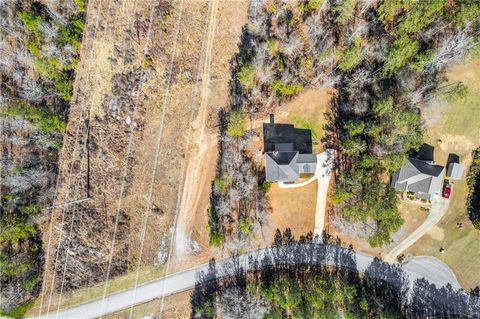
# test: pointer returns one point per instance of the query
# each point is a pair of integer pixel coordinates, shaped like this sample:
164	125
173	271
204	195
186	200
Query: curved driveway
297	254
437	211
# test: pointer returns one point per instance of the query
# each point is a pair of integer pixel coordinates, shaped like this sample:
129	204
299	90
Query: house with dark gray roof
423	178
288	152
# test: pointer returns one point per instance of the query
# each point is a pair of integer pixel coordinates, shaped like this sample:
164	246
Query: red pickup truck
447	190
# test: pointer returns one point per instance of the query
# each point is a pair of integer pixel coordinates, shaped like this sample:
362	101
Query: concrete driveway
323	173
437	211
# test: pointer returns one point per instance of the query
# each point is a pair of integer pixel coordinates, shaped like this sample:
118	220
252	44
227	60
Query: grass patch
19	311
463	116
307	124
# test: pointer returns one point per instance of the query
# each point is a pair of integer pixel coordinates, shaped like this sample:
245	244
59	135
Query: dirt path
202	144
198	145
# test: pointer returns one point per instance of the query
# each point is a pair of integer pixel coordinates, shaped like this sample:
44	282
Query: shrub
422	59
246	76
265	187
32	22
343	10
216	239
402	50
354	127
354	146
383	107
33	48
30	209
72	32
272	46
215	236
80	5
147	62
222	183
64	86
314	4
31	283
310	5
244	225
340	195
50	69
286	90
14	234
236	124
349	58
45	121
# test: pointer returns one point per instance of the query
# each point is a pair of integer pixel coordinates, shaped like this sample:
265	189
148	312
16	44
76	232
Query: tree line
39	50
473	183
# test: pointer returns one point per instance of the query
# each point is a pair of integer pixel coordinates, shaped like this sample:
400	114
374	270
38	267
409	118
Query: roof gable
419	177
281	166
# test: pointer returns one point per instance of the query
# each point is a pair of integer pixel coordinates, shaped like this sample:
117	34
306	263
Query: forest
290	282
39	50
385	60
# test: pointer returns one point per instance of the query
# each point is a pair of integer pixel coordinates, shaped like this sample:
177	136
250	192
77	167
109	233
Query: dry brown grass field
138	91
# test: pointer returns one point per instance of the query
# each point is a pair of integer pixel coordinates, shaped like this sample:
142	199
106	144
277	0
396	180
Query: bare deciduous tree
234	303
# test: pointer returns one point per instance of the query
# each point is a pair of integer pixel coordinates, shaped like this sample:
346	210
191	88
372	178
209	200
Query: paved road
323	173
184	280
437	211
423	266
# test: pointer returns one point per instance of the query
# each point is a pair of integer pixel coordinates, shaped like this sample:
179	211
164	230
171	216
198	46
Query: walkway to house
438	209
323	172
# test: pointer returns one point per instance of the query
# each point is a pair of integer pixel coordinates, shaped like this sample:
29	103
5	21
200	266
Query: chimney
272	119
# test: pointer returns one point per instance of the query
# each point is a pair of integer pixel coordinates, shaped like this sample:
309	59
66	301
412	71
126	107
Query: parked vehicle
447	190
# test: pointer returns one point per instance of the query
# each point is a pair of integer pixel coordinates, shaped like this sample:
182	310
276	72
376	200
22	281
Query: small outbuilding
455	171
